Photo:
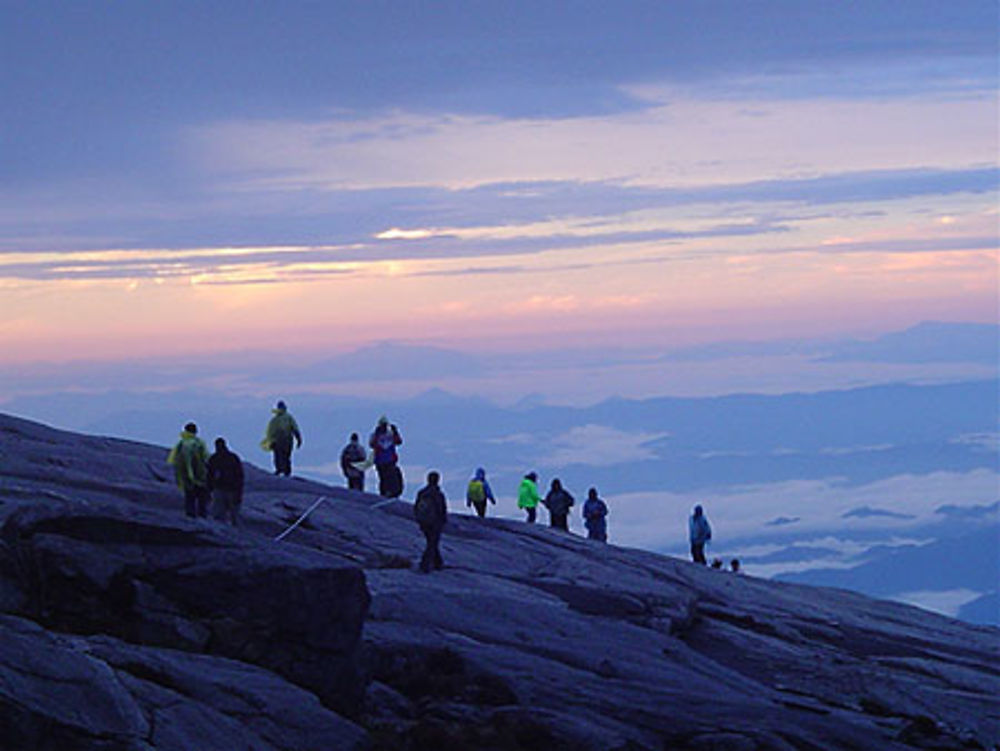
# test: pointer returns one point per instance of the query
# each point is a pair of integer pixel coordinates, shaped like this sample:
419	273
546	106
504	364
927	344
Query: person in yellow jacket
281	431
527	495
189	458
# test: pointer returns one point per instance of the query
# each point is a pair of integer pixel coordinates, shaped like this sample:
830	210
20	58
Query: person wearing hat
189	458
383	442
281	431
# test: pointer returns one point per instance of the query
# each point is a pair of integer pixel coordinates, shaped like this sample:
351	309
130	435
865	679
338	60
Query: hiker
352	461
281	430
558	501
431	512
595	512
527	495
478	492
700	532
383	442
189	458
225	482
717	564
734	565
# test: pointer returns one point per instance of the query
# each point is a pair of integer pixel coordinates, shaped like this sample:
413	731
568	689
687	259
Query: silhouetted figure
479	492
225	482
189	458
595	512
558	501
352	458
699	532
431	512
717	564
383	442
527	496
734	565
282	431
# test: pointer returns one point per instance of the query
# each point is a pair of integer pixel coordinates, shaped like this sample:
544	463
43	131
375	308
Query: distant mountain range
930	341
968	560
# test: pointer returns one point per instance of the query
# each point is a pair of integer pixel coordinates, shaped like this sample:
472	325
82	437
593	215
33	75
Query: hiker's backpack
424	510
476	493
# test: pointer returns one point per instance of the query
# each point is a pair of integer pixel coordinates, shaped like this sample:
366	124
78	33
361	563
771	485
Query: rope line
301	519
315	505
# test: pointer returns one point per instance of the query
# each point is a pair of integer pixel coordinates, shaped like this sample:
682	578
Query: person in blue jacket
595	512
479	492
700	532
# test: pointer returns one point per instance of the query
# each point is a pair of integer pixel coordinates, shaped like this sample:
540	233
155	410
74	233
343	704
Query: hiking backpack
423	509
476	493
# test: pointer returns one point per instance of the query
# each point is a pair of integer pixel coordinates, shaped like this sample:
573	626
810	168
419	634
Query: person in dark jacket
383	442
595	512
431	512
225	482
352	455
699	532
558	502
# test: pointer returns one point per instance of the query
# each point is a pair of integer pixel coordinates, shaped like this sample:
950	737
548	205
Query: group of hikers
216	481
204	479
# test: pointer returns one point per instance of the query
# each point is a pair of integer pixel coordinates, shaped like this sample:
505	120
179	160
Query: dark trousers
356	483
432	552
282	458
226	505
531	514
390	480
196	500
559	521
698	553
480	507
597	534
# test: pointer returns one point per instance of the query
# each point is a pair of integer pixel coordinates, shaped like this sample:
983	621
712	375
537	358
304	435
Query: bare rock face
152	580
60	692
130	627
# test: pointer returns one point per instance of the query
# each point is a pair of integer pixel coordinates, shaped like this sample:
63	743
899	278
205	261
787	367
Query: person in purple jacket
383	442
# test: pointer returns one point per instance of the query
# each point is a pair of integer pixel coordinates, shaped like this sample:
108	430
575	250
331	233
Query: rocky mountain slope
127	626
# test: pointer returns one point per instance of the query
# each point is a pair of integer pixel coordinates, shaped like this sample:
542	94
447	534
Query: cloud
560	217
599	446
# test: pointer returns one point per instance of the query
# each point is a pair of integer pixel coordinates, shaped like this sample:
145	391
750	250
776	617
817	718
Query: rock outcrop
132	627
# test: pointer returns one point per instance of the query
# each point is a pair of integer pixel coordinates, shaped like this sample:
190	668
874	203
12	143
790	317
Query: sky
188	179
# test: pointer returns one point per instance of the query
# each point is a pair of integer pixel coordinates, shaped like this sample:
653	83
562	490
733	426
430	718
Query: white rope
315	505
301	519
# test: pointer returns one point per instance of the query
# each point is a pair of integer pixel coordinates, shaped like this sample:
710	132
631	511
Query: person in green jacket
189	458
527	495
281	431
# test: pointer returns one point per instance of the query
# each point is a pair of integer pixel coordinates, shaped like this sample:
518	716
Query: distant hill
931	341
966	561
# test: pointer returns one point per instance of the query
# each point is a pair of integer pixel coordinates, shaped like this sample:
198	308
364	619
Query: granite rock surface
131	626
